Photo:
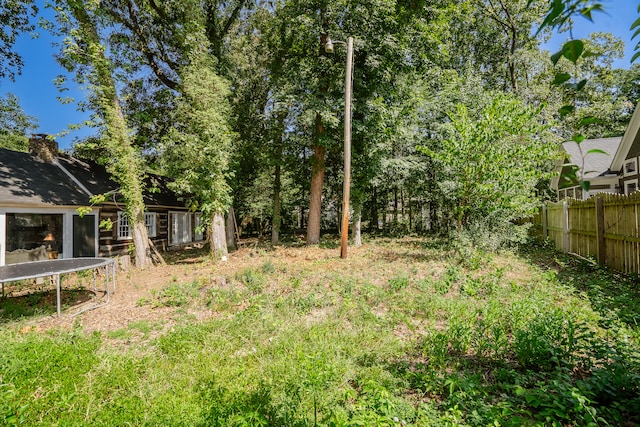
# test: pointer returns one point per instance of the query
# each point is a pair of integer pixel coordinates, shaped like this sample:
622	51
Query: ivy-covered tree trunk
125	164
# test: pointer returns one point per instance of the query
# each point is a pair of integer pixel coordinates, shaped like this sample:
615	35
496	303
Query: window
631	167
124	231
33	237
180	227
630	186
123	226
150	222
198	227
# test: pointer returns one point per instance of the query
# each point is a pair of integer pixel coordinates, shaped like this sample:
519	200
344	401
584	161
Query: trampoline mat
30	270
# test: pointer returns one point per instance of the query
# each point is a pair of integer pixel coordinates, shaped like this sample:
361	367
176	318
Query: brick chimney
43	148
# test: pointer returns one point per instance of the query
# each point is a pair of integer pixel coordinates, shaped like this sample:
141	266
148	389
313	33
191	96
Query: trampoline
57	267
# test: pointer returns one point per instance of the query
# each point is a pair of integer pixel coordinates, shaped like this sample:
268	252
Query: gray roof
96	179
27	180
592	164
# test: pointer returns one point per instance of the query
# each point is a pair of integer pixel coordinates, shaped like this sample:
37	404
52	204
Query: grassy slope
399	333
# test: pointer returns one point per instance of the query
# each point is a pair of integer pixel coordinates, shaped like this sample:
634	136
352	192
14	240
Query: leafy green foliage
492	160
15	124
518	339
84	53
197	148
14	18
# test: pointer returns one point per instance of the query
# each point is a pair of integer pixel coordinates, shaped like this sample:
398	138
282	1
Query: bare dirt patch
291	267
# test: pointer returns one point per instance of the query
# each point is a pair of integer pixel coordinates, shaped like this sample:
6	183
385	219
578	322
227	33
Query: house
41	191
592	158
614	172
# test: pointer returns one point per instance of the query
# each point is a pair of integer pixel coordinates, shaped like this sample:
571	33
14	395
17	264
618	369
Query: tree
491	160
592	89
14	124
14	19
197	148
85	53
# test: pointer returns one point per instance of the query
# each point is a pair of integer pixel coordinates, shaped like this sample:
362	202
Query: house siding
111	245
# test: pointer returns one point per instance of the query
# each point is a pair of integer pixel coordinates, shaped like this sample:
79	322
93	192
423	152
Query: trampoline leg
57	278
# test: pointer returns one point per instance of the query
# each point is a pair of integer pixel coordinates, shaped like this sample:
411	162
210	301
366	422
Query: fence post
545	230
565	208
602	252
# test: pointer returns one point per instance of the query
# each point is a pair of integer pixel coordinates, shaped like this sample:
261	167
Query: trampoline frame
55	268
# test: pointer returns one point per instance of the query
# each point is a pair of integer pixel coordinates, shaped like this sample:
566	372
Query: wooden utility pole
347	150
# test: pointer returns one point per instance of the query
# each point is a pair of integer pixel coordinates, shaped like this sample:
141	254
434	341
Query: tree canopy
239	103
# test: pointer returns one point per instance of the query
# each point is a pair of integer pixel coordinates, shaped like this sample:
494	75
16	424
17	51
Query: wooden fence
604	227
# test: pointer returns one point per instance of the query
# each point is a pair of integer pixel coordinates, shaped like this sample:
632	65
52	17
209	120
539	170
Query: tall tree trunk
395	207
277	207
318	161
142	252
402	209
357	225
232	245
410	211
125	166
276	220
317	182
218	236
373	222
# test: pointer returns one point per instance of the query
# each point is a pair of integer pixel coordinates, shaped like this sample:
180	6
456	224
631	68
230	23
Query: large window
33	237
124	230
180	227
630	186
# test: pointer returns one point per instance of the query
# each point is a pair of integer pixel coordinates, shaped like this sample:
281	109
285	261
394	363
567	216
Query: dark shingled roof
96	179
92	175
27	180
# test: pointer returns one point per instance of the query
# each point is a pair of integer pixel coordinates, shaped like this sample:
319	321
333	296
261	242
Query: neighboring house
626	159
594	167
614	172
40	192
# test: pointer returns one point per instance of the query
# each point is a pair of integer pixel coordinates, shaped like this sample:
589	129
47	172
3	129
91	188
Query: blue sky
617	19
39	97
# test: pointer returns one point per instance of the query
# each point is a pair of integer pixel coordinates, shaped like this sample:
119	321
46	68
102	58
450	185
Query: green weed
478	345
254	280
398	283
175	294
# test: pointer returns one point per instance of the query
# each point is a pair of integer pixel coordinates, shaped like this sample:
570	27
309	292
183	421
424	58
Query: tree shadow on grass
612	294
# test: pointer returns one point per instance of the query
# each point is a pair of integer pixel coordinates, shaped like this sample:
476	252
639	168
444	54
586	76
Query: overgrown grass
400	333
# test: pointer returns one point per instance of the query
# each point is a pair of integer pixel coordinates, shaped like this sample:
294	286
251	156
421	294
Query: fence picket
605	228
